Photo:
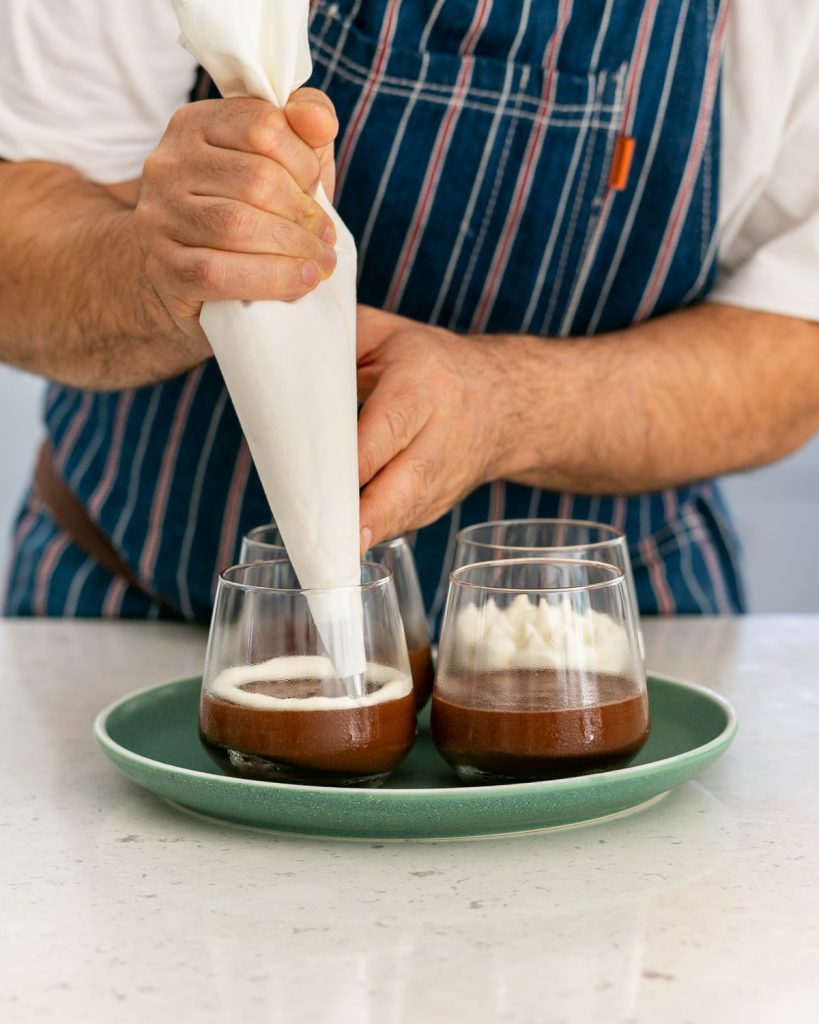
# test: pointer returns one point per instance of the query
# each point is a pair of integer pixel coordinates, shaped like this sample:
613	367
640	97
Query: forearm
700	392
75	303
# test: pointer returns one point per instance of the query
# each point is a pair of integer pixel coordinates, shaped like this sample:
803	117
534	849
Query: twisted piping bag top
290	366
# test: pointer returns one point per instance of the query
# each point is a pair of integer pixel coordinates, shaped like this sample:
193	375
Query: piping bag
290	367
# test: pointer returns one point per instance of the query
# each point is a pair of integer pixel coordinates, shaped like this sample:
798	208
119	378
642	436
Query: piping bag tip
354	685
339	618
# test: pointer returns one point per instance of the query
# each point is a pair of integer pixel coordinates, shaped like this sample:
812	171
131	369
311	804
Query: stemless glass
265	542
539	671
549	538
272	705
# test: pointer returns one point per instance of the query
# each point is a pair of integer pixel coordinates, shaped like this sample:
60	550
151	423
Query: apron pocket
448	169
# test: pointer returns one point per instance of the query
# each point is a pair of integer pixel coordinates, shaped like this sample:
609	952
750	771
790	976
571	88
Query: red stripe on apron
440	150
712	563
103	489
657	574
112	603
236	493
159	507
365	101
66	446
692	167
43	578
635	78
530	159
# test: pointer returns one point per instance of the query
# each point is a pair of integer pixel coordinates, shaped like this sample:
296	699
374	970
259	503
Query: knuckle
158	165
187	121
308	212
150	221
190	112
266	130
290	239
421	477
257	182
203	272
367	460
220	222
399	421
143	215
281	236
231	221
181	118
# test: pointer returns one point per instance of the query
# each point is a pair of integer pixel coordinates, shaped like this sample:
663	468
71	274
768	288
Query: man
543	195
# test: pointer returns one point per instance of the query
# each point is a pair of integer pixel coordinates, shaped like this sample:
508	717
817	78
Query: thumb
312	117
389	503
374	326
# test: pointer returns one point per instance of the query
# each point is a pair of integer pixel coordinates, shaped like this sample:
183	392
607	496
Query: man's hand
225	210
431	429
707	390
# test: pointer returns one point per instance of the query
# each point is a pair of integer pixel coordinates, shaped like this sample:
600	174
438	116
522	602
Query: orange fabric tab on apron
621	162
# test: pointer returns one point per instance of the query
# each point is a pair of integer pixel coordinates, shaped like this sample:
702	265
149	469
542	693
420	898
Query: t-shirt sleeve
770	255
91	84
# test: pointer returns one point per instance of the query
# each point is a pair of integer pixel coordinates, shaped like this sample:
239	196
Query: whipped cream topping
540	634
228	685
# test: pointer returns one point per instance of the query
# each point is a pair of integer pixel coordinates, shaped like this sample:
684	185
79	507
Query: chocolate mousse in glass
273	706
540	674
265	542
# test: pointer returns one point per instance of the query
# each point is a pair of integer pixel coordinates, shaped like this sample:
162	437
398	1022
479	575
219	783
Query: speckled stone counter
118	908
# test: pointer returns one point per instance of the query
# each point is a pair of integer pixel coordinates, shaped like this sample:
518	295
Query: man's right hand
226	208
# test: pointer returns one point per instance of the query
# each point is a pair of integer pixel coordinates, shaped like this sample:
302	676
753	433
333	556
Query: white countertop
117	908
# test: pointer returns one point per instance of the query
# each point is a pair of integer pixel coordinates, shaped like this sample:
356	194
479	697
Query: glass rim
617	576
394	542
615	535
252	537
259	588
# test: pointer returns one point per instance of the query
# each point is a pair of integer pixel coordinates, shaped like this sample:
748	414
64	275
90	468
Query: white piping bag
290	366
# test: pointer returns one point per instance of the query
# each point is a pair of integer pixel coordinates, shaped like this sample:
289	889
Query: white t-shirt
93	84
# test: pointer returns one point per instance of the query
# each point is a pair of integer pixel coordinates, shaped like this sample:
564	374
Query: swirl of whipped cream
540	634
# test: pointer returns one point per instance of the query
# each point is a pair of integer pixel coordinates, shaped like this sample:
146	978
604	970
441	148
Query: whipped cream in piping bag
290	366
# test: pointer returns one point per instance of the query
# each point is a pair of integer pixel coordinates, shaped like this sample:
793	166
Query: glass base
265	769
545	770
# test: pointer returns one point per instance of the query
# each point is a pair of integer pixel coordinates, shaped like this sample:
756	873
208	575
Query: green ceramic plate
152	737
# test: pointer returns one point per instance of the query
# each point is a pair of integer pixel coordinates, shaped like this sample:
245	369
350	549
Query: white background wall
777	509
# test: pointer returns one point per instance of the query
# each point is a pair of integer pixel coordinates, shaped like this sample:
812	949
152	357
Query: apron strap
71	516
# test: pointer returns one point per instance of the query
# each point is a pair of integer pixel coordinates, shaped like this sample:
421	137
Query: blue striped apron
474	168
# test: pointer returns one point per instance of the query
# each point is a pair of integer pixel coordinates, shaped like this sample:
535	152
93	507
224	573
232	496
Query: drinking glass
264	543
273	706
549	538
539	672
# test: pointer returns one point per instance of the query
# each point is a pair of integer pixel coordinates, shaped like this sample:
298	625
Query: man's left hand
432	426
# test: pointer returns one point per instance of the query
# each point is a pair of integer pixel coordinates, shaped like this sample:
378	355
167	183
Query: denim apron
528	166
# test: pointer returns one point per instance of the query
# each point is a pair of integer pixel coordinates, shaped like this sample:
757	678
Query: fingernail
329	261
310	273
366	540
329	234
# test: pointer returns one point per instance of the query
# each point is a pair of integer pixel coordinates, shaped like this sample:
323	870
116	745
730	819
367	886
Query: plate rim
469	793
